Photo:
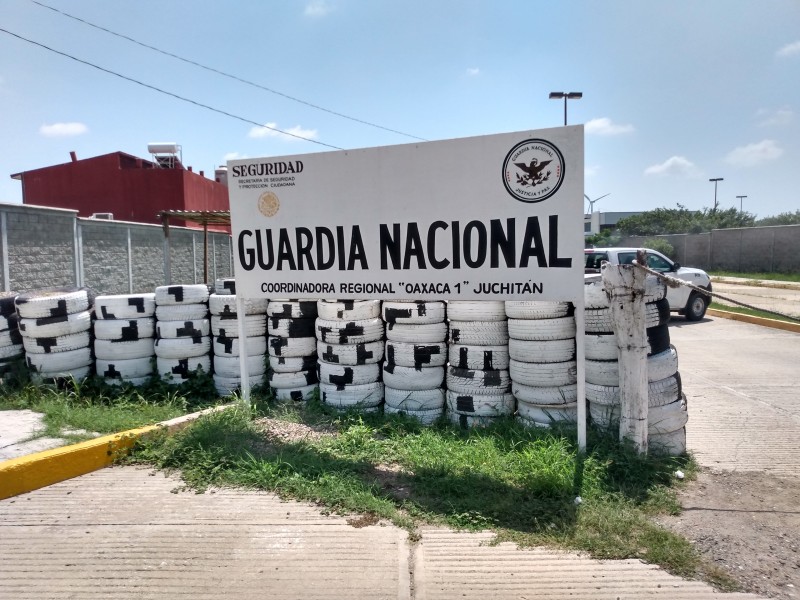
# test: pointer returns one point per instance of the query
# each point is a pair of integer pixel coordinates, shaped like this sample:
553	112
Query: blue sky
674	93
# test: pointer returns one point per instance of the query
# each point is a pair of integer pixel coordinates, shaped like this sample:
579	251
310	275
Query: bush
660	245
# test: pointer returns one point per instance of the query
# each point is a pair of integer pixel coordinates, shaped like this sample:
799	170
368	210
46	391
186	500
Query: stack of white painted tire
478	382
225	286
542	361
228	346
124	338
183	340
667	413
416	355
11	347
292	348
55	327
350	346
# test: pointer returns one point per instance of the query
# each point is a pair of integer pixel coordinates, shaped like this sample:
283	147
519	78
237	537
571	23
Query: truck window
626	258
657	263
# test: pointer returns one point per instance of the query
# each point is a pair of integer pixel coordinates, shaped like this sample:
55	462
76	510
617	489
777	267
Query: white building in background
597	221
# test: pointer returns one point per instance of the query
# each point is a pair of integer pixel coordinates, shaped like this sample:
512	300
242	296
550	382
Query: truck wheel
696	307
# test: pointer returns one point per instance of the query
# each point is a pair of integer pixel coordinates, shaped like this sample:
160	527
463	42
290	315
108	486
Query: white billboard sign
483	218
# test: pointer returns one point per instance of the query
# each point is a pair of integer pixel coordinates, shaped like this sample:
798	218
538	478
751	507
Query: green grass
521	483
795	277
752	312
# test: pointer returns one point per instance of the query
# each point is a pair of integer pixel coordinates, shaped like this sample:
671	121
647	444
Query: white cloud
63	129
676	166
473	71
269	131
234	156
604	126
753	155
769	118
788	50
317	8
591	171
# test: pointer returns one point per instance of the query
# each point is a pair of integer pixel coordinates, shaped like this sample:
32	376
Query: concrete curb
774	323
767	283
38	470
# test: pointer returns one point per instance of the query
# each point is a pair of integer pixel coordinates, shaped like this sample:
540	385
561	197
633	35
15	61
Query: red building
127	187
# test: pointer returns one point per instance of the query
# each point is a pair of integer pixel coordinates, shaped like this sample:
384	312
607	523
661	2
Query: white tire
543	374
662	365
11	351
548	414
415	400
226	304
13	337
536	309
78	373
287	364
124	369
672	443
293	381
363	396
465	421
545	396
8	322
595	296
175	348
128	306
183	329
125	330
606	372
292	309
425	417
230	366
225	346
601	346
478	382
298	394
181	294
62	343
481	405
292	328
561	328
413	313
487	358
409	378
663	391
349	310
181	312
349	332
56	326
600	320
178	370
478	333
291	347
542	351
134	381
416	355
111	350
59	361
417	334
254	325
343	375
667	418
350	354
476	310
226	286
45	304
228	385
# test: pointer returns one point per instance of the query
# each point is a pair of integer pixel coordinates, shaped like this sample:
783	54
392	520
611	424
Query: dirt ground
747	524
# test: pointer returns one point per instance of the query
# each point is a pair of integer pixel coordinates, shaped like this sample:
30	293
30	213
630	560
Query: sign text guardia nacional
492	217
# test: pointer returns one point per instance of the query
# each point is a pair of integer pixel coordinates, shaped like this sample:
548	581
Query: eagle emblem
533	175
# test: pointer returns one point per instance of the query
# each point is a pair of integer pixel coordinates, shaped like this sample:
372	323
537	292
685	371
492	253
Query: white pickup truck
683	300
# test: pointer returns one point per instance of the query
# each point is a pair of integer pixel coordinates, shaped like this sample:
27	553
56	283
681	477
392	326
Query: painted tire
177	348
472	310
659	393
299	394
463	421
183	329
544	374
344	375
416	355
111	350
350	354
8	322
225	346
599	320
542	351
536	309
57	302
606	372
349	332
478	333
225	286
480	405
545	396
292	309
124	369
413	313
134	381
349	310
225	304
285	364
8	305
181	294
178	370
417	334
292	381
409	378
254	325
425	417
228	385
63	343
365	396
229	366
487	358
181	312
601	346
56	326
672	443
13	337
667	418
11	351
560	328
548	414
125	330
415	400
78	374
291	347
290	327
478	382
129	306
595	296
59	361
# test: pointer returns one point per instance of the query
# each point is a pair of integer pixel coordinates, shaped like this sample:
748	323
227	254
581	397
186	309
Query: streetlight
566	96
716	180
741	202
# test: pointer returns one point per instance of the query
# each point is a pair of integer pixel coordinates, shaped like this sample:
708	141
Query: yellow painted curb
774	323
38	470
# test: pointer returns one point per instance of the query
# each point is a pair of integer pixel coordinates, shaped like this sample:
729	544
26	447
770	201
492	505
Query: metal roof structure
202	217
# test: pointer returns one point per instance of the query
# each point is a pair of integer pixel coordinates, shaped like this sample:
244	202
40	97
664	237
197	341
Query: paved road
786	301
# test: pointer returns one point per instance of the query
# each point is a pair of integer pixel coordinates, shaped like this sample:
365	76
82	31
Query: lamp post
741	198
716	180
566	96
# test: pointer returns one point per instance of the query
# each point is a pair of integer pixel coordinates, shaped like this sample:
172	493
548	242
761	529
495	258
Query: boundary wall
43	247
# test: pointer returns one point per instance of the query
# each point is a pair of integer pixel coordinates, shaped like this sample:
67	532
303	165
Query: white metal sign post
497	217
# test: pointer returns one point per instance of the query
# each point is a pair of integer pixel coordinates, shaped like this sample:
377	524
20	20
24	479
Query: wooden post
625	286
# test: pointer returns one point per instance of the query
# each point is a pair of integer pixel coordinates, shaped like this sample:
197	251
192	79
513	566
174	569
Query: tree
681	220
787	218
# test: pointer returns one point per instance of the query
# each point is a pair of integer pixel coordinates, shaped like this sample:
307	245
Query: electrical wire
224	74
157	89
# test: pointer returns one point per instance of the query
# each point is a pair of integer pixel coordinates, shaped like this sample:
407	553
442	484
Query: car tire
110	350
124	329
128	306
366	395
185	347
297	394
292	364
415	400
177	370
409	378
487	358
350	354
478	382
425	417
696	307
230	366
476	310
495	404
291	347
413	313
418	356
181	294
